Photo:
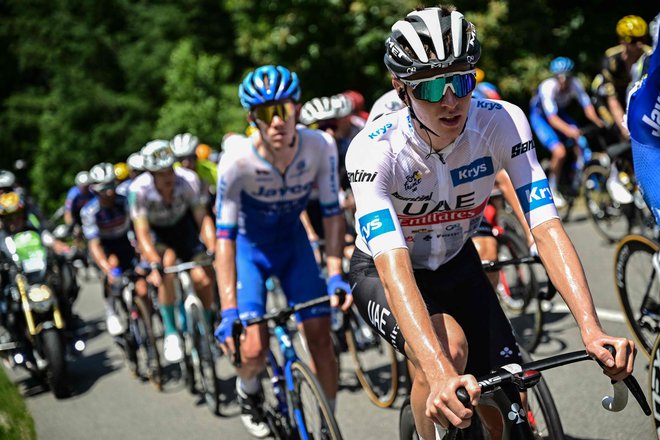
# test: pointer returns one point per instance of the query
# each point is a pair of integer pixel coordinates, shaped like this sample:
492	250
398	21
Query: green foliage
201	99
88	81
15	420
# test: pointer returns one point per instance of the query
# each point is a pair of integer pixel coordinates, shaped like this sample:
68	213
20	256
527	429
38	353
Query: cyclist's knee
453	339
559	151
113	260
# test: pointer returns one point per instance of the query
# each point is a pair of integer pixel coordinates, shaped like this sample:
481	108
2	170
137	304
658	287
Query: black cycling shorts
458	288
182	237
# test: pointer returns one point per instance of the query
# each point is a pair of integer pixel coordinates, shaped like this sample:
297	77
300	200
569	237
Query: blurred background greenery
85	81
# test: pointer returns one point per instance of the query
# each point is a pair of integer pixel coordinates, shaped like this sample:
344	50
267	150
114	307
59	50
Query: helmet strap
424	127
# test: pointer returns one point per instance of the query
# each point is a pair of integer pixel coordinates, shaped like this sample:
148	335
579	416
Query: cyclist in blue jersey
643	120
422	177
552	124
106	223
76	198
264	183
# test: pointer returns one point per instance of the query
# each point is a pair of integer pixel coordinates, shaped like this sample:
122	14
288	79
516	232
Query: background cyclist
264	183
551	122
610	85
165	204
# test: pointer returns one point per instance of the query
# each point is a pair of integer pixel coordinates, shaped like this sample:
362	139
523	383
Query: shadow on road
86	370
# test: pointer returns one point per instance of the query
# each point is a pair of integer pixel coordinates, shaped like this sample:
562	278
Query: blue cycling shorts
647	160
547	135
294	265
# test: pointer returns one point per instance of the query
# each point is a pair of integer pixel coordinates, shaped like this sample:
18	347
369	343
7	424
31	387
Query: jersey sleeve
580	93
327	179
88	217
228	201
547	97
515	149
136	203
369	167
70	197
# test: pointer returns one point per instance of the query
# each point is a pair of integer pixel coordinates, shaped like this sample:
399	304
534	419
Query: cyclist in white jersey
168	218
421	178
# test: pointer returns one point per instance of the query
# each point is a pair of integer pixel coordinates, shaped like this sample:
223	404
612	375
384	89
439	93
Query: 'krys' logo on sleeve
534	195
376	223
476	170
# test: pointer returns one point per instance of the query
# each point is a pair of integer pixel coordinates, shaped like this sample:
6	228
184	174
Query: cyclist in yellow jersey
609	86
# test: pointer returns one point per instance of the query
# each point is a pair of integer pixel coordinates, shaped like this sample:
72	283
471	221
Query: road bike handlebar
279	317
182	267
527	375
492	266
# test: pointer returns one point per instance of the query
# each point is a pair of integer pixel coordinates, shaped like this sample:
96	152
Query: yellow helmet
10	203
631	27
121	171
480	75
203	152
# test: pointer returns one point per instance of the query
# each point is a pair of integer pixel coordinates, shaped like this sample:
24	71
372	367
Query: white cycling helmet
82	178
184	144
324	108
102	176
7	179
157	155
135	162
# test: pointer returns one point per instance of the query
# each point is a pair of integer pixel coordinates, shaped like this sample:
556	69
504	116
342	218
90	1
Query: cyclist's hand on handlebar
443	406
335	283
223	332
154	278
619	366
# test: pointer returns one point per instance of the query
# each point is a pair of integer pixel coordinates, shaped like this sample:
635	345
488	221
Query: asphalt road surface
108	403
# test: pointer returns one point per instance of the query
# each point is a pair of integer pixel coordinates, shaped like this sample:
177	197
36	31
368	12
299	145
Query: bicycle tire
147	345
203	359
609	219
407	430
632	288
381	383
126	341
654	385
303	414
545	421
526	317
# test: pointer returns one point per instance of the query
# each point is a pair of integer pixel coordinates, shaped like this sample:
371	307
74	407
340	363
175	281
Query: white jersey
145	202
257	201
551	99
388	103
432	204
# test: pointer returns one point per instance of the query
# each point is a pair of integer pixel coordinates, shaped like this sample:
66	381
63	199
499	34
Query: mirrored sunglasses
266	113
434	89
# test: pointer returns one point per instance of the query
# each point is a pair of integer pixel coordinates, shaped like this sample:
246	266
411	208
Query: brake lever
236	331
619	399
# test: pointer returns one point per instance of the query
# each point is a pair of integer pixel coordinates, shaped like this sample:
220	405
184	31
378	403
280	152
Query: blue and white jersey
122	188
75	200
550	99
261	204
106	223
432	204
643	120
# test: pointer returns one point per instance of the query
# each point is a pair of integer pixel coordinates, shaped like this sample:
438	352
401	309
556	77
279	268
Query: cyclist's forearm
145	244
99	255
617	113
225	267
590	113
334	229
559	124
411	313
567	274
208	233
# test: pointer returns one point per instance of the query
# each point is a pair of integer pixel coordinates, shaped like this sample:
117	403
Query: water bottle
116	286
285	343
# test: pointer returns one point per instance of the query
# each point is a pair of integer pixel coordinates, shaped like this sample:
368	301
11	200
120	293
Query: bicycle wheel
202	357
407	430
638	288
654	385
311	410
518	291
608	216
126	341
542	413
147	353
376	364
